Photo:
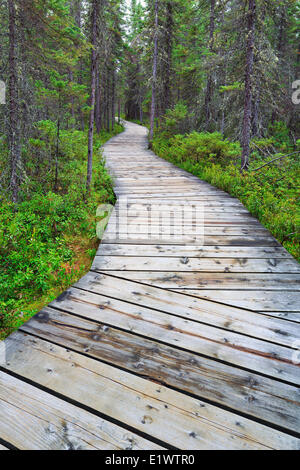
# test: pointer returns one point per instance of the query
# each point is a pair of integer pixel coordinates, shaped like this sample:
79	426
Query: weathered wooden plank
240	390
292	316
156	410
32	419
187	200
148	166
179	176
171	181
161	173
194	251
150	237
159	193
179	179
185	264
142	212
209	240
176	190
191	196
194	280
159	299
134	227
163	189
155	178
170	225
286	303
186	224
180	183
209	207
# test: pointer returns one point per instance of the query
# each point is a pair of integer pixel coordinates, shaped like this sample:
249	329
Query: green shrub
199	147
280	133
37	259
173	120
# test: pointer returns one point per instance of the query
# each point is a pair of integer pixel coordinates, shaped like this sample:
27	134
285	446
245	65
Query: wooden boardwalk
168	342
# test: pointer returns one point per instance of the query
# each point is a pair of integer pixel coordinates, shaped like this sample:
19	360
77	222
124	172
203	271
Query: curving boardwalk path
171	340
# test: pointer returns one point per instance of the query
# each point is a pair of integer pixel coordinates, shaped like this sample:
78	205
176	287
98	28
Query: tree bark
72	100
98	102
104	104
119	111
248	85
94	58
209	87
76	11
169	39
255	114
113	98
154	74
282	31
13	107
141	110
57	146
107	88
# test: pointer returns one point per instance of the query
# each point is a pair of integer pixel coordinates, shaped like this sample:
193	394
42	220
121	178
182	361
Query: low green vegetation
48	240
270	193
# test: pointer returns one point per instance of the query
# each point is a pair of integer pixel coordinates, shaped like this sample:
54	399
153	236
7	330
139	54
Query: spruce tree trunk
169	39
107	88
119	111
57	151
154	74
282	31
104	104
113	98
141	111
76	10
255	113
13	106
209	87
77	13
248	85
94	30
72	100
98	102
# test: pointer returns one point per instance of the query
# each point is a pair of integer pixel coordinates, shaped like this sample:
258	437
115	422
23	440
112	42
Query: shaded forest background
214	80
